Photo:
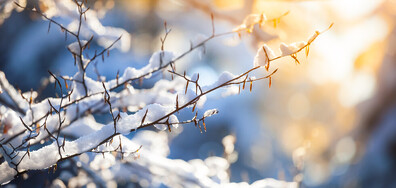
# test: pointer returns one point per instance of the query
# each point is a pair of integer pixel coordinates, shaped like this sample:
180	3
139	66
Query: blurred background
327	122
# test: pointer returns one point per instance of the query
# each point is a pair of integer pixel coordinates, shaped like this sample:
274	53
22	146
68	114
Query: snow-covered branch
40	134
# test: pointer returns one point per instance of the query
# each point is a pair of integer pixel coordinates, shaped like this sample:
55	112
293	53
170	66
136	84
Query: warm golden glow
228	4
313	105
320	112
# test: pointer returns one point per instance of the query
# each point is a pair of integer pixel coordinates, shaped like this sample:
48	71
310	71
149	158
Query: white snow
101	162
261	58
158	59
250	21
210	112
291	48
223	78
9	120
75	47
6	173
10	94
82	127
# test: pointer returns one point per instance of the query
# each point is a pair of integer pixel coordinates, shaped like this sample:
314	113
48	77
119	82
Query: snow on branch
265	54
38	135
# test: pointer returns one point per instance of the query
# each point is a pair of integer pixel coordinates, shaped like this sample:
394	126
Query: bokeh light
318	119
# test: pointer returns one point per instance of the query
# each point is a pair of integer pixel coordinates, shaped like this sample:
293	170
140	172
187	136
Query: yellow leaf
37	127
307	51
